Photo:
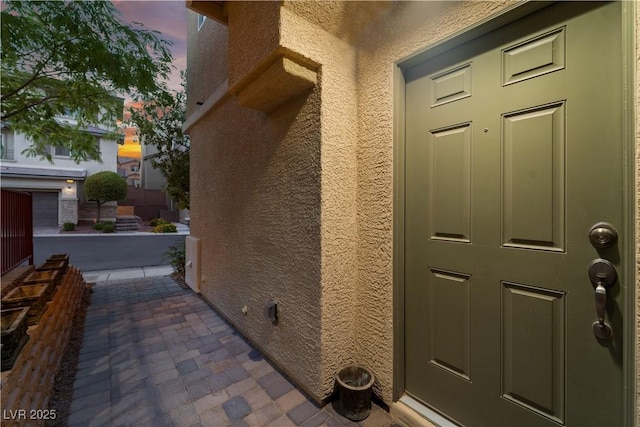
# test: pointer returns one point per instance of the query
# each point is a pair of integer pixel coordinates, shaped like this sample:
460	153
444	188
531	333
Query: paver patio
155	354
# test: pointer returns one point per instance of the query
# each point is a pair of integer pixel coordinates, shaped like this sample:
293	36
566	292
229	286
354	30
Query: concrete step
127	223
127	228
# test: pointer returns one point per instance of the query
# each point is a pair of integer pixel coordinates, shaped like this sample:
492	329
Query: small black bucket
354	384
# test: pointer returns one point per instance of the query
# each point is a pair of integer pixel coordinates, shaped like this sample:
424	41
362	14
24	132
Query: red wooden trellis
17	229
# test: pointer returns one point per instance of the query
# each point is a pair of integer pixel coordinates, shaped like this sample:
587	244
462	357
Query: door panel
449	206
533	178
533	348
449	295
533	58
513	151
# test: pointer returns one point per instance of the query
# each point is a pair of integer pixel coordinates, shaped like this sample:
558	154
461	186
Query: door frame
630	309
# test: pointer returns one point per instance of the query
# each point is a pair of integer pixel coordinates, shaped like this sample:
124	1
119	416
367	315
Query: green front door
513	153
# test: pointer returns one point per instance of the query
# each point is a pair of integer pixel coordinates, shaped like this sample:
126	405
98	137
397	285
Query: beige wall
207	59
297	204
383	46
339	171
255	204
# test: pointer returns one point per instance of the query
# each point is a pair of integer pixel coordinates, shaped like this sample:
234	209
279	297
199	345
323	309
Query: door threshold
414	413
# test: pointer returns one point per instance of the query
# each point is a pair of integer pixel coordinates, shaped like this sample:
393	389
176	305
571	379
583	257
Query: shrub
157	221
104	187
165	228
68	226
98	226
108	228
177	258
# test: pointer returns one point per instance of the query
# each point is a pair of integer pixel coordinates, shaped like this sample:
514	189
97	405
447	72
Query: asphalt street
107	251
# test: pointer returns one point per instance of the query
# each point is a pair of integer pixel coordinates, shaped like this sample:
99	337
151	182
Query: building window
64	151
97	141
60	151
201	19
6	146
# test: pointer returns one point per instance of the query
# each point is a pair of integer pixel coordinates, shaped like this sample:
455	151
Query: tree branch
28	106
44	101
33	78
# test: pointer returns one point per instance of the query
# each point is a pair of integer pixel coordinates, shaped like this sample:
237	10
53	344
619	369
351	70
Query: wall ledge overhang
280	77
216	10
218	95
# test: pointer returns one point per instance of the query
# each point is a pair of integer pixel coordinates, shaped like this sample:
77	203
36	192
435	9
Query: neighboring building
414	184
151	178
57	189
147	199
130	169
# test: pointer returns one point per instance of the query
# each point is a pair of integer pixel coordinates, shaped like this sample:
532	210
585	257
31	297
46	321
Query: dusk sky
170	18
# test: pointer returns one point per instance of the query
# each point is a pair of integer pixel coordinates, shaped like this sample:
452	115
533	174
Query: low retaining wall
27	386
108	251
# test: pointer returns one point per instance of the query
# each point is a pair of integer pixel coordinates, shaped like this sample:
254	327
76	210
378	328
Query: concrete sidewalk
155	354
57	231
127	273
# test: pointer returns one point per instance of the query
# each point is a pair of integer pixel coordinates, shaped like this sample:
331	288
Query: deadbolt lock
603	235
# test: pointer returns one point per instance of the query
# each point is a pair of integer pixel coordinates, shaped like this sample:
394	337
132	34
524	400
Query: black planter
354	385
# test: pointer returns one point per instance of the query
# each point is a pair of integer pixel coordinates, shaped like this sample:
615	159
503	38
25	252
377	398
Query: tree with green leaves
105	187
159	123
74	58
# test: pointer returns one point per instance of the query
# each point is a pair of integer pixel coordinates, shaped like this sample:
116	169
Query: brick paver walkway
155	354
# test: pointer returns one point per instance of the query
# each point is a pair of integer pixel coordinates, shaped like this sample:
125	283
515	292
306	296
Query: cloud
130	150
167	17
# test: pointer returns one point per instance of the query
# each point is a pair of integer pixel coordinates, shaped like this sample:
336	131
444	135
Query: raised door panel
449	326
449	203
533	185
533	349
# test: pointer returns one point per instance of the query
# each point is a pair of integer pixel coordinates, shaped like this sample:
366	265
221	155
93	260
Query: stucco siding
253	35
207	59
255	183
380	42
339	187
423	24
108	152
297	204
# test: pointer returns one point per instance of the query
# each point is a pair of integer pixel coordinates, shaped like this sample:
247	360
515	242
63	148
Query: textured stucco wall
373	35
255	182
328	157
339	188
261	184
423	24
207	59
255	206
253	35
